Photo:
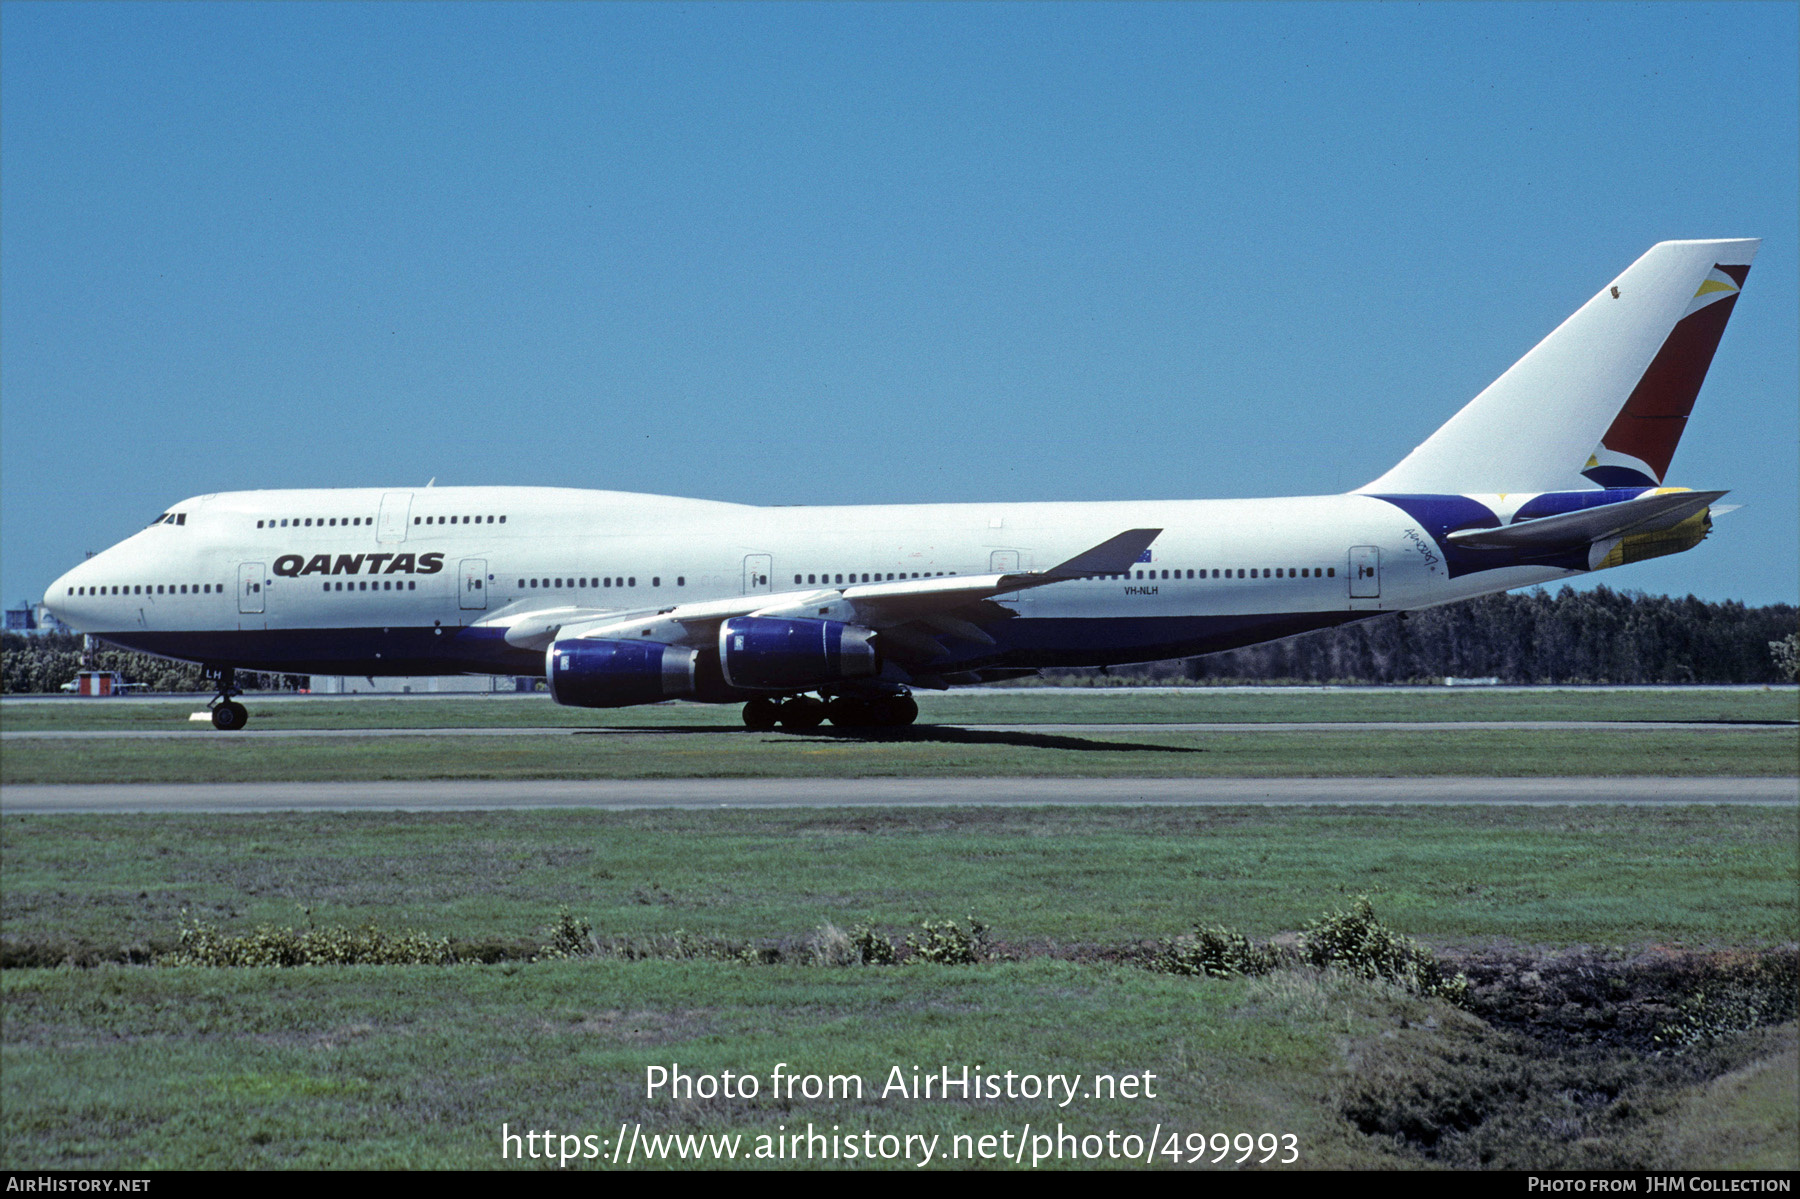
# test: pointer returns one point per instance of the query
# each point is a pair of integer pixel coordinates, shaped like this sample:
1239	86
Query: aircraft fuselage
396	582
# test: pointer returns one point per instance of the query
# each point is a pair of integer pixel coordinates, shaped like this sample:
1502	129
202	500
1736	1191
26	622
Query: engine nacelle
765	653
617	674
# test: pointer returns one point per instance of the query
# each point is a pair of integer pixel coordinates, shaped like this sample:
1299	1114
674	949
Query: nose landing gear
227	714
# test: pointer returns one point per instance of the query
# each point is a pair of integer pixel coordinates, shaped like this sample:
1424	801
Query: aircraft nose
60	598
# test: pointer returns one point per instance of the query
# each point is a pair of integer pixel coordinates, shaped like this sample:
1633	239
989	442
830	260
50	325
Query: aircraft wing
536	627
1645	514
884	606
1115	555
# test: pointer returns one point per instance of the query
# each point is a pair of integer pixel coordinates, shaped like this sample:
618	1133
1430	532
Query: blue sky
858	253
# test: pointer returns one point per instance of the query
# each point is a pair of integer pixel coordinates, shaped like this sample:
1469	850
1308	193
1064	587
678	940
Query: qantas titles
291	565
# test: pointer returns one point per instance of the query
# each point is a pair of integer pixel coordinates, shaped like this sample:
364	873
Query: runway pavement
626	794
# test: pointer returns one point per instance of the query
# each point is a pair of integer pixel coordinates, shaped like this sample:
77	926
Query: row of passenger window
1279	572
577	584
323	522
868	577
348	522
374	585
815	579
153	589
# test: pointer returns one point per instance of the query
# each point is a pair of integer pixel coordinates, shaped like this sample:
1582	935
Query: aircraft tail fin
1604	398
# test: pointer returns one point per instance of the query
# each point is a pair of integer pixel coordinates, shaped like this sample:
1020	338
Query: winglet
1115	555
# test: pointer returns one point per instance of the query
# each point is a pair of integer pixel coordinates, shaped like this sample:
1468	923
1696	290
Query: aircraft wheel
801	714
847	712
761	714
230	716
895	710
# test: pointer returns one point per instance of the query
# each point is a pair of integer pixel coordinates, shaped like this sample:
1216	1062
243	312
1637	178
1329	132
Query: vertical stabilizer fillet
1604	398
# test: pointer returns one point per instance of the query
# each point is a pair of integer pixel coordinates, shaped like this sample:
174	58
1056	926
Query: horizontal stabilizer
1646	514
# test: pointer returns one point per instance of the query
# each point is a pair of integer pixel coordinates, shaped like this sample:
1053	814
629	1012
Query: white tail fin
1604	398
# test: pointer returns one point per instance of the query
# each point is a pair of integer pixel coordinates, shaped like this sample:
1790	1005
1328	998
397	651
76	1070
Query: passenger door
1365	572
757	570
1006	562
473	593
396	507
250	587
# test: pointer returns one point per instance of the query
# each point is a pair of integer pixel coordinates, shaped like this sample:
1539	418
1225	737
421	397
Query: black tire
895	711
847	712
229	716
761	714
799	715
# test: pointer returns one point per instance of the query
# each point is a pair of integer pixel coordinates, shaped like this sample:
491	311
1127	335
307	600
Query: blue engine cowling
764	653
617	674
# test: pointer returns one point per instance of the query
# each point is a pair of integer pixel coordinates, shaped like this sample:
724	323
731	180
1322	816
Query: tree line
40	663
1526	637
1597	636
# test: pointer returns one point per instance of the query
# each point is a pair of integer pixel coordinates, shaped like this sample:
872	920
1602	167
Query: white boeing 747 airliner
804	614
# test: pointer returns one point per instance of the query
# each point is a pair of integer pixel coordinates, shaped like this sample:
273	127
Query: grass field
419	1067
1459	876
119	1067
689	740
130	1067
921	752
1062	706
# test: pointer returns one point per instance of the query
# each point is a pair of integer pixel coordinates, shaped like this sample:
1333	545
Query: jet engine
764	653
617	674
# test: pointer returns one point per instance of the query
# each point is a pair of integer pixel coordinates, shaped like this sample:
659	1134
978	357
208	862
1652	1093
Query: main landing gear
802	712
227	714
795	715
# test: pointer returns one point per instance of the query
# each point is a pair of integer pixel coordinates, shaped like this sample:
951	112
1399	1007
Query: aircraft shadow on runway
946	734
950	734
